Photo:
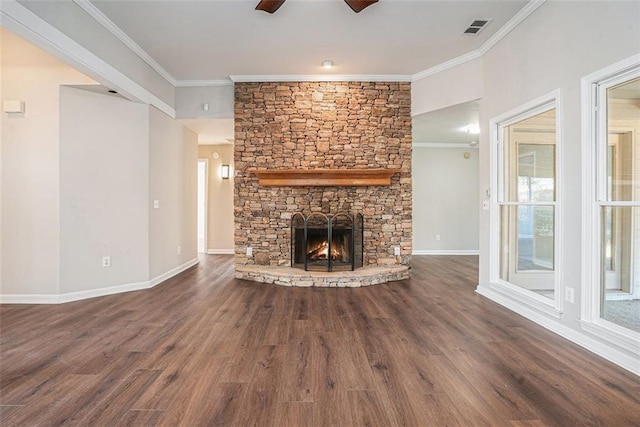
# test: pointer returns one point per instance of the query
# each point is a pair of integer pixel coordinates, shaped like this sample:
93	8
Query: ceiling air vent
476	26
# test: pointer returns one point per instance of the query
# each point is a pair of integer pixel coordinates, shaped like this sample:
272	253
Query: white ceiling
446	126
214	39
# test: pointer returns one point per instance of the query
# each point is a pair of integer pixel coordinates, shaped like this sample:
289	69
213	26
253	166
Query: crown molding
321	78
470	56
107	23
26	24
444	145
516	20
203	83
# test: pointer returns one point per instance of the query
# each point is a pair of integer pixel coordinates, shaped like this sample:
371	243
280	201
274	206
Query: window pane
529	159
527	247
536	172
620	251
608	246
623	116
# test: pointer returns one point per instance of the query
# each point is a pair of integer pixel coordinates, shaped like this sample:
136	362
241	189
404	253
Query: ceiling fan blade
359	5
269	6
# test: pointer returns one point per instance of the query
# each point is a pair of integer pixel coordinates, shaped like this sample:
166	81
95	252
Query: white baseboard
100	292
445	252
220	251
92	293
613	355
71	296
169	274
30	299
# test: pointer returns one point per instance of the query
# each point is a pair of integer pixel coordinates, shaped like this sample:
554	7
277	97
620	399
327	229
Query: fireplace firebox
326	242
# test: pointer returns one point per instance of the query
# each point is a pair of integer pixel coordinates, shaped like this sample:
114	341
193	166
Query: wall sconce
224	171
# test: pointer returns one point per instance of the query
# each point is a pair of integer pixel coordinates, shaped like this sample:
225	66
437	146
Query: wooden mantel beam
323	177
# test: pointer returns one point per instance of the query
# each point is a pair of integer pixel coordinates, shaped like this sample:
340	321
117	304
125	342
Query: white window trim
552	307
590	319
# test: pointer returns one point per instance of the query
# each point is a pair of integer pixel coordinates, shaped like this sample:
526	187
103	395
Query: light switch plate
13	106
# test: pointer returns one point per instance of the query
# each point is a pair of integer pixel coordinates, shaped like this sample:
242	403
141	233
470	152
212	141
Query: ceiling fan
271	6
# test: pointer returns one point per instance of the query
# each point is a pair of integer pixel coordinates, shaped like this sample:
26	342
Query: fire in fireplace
322	242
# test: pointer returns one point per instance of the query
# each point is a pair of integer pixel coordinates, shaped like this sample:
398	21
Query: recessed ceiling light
327	64
474	129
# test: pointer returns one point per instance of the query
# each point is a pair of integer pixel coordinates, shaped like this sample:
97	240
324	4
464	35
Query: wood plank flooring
206	349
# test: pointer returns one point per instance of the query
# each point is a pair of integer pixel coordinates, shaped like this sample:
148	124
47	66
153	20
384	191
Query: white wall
220	224
453	86
1	139
549	51
79	173
553	49
445	200
103	190
30	167
173	152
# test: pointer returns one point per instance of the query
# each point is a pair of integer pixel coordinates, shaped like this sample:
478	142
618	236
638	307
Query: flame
321	251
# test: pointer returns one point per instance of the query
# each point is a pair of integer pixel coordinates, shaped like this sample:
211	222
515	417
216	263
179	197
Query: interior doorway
203	175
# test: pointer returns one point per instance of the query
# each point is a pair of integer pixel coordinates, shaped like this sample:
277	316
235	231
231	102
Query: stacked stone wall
322	125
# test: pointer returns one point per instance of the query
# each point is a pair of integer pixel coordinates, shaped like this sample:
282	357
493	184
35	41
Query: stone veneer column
312	125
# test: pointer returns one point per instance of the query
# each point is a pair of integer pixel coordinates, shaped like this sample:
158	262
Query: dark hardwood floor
206	349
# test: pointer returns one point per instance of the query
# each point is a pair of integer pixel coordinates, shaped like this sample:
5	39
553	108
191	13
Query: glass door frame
532	300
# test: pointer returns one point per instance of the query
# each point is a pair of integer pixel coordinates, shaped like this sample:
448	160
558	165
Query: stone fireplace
329	126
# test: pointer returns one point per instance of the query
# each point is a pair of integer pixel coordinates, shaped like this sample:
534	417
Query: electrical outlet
396	250
568	294
179	250
156	204
249	251
106	261
437	237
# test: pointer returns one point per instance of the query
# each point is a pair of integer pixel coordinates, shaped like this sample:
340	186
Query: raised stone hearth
287	276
